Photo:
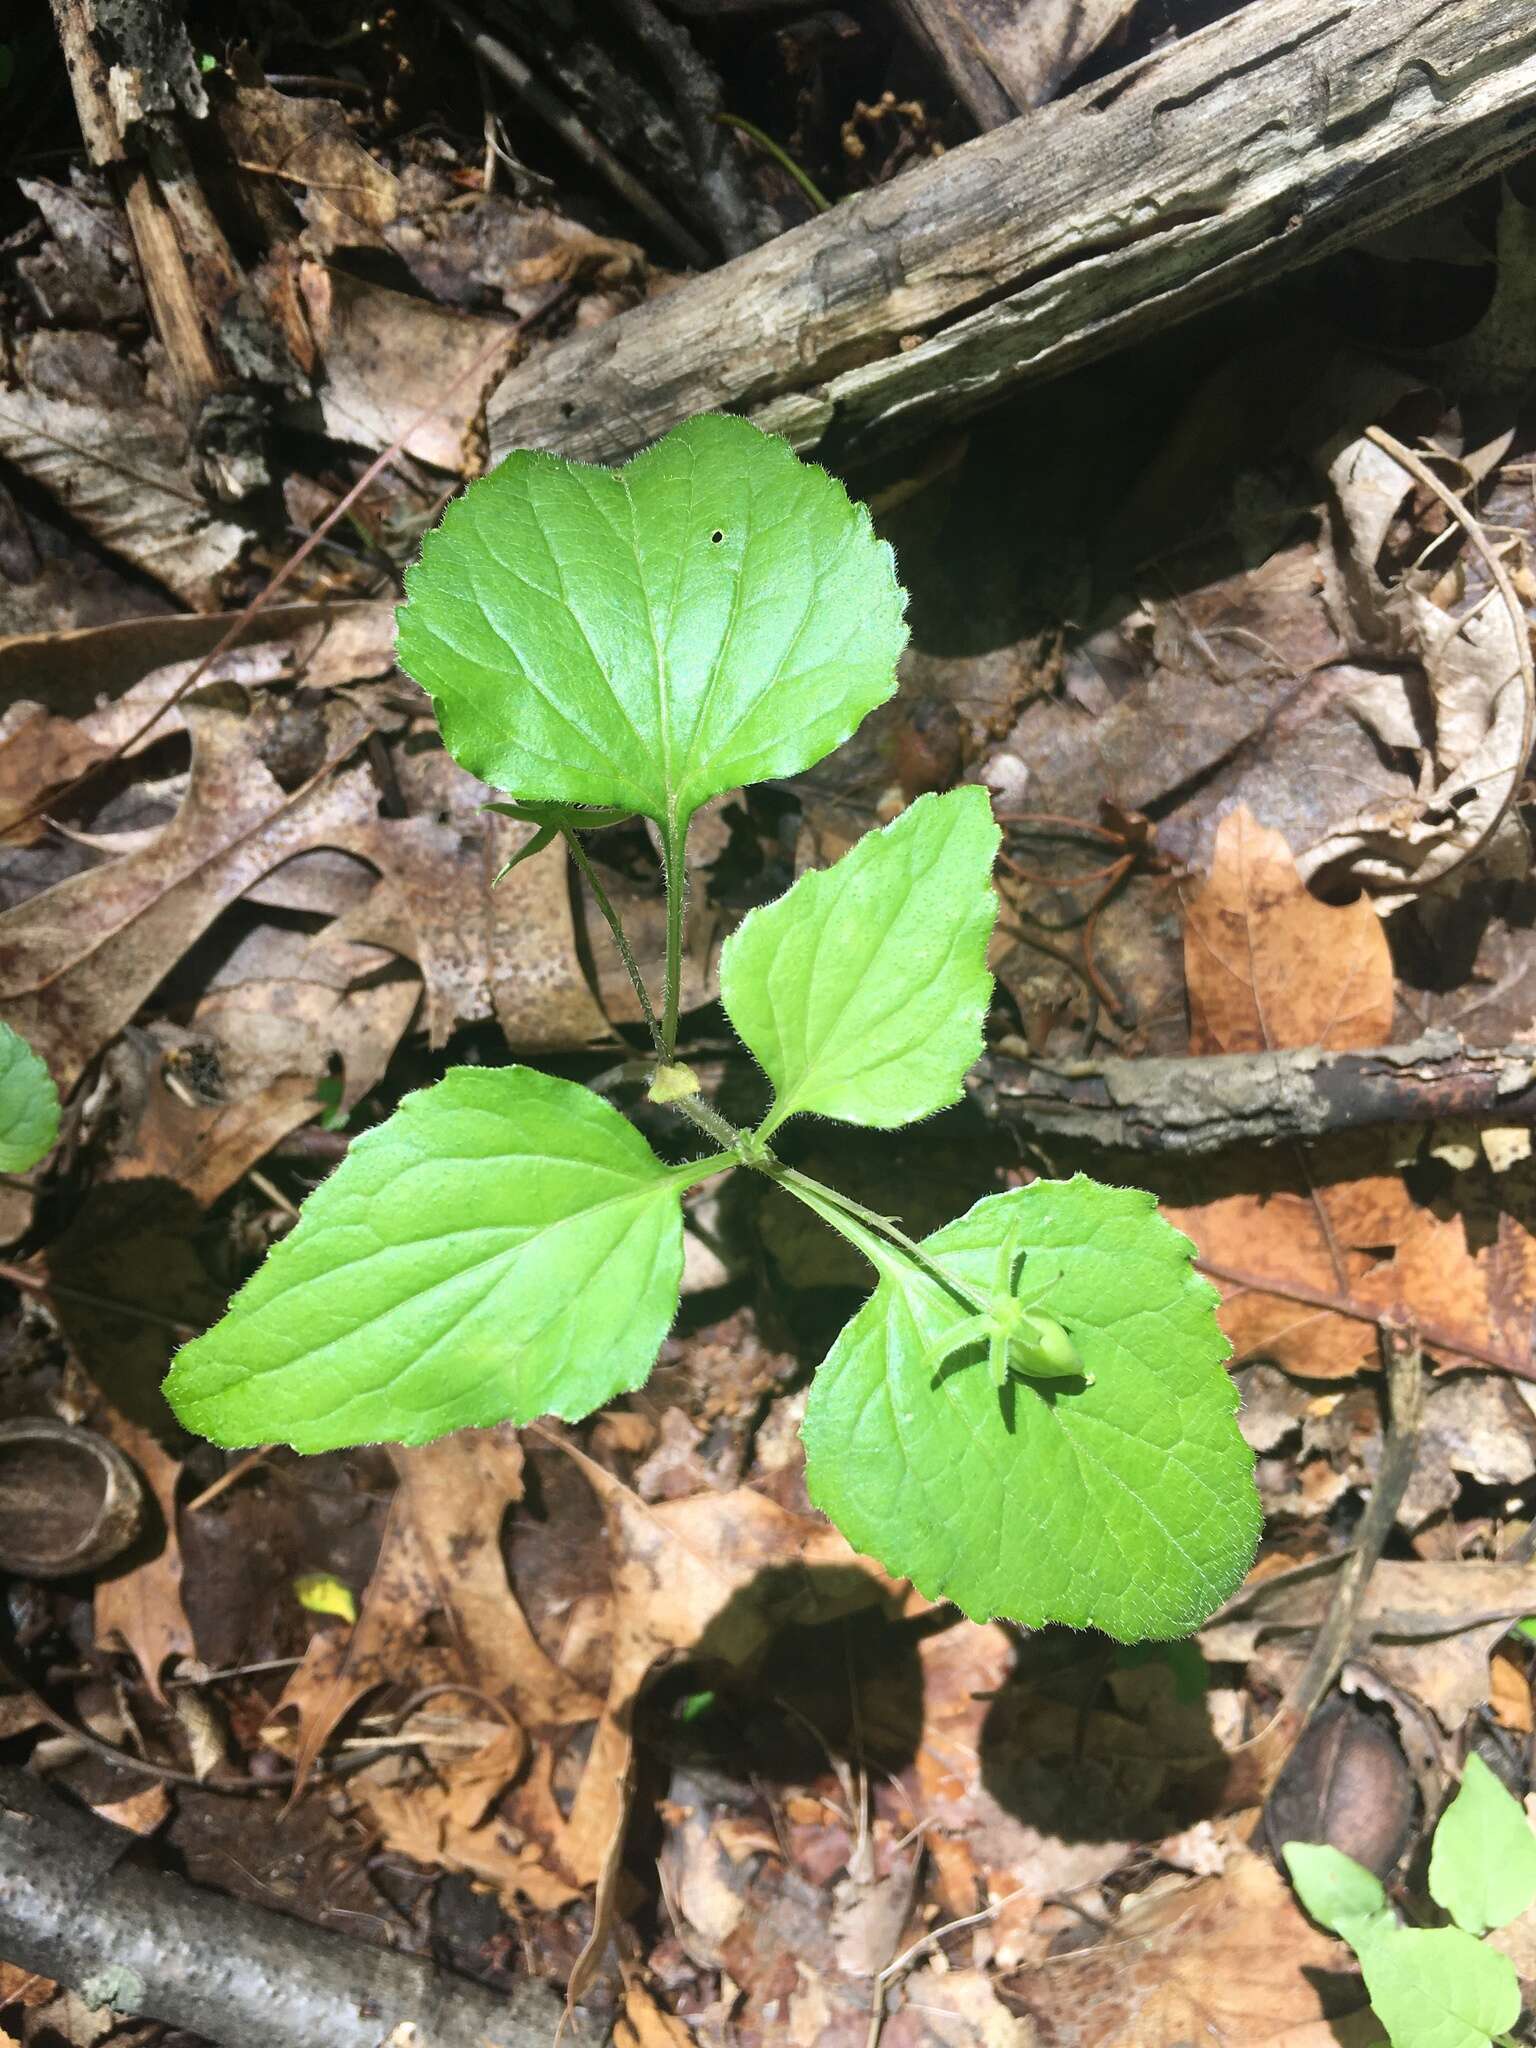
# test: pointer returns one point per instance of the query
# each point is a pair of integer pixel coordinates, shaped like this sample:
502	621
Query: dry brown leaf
389	359
81	957
109	678
21	1987
453	1822
941	2007
643	2024
1476	708
39	754
474	1784
506	951
1509	1693
1428	1627
142	1608
441	1556
1229	1961
142	1813
388	1643
1269	967
305	148
268	1038
456	1492
715	1576
126	474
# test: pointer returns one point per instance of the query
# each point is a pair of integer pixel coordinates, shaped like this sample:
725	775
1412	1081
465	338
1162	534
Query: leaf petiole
674	848
611	918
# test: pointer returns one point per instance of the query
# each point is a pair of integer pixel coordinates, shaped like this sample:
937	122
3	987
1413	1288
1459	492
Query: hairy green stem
674	843
876	1236
611	919
709	1119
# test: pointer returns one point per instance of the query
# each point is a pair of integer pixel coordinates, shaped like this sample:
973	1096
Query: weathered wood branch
1185	1108
76	1907
1268	139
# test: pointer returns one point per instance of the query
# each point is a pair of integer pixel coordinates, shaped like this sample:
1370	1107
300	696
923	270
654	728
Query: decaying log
1264	141
75	1907
1186	1108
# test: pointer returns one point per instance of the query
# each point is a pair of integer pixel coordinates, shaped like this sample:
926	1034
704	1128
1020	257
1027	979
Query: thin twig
1381	1318
1402	1359
236	1471
1423	475
886	1977
41	1283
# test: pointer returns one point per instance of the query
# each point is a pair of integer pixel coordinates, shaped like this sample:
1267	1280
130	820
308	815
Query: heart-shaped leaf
713	613
862	991
505	1246
1126	1504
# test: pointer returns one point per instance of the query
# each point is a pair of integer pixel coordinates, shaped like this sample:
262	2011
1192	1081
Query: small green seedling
29	1105
1436	1987
602	644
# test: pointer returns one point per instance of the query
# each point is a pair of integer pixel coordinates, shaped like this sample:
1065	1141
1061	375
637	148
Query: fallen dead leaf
22	1987
1428	1627
389	358
941	2007
125	473
1231	1961
715	1576
389	1643
456	1493
451	1821
1269	966
643	2024
1509	1692
306	149
142	1608
142	1813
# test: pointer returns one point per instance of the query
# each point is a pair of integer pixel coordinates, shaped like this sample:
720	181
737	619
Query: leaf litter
1253	739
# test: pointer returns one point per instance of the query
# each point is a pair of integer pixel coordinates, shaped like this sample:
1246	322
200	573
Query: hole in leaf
716	536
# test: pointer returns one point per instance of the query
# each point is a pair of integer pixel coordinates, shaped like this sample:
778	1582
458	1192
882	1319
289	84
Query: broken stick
75	1906
1188	1108
1273	137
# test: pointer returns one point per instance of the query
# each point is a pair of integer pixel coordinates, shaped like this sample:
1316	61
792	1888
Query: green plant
29	1104
1435	1987
609	642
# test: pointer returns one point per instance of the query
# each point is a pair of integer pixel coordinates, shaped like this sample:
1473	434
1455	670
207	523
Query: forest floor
1252	694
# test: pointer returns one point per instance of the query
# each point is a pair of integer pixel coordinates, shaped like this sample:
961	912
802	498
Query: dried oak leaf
1229	1960
126	473
1270	967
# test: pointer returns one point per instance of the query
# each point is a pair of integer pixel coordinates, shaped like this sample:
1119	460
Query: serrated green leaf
1482	1867
715	612
1339	1893
505	1246
1438	1987
1127	1505
862	991
29	1105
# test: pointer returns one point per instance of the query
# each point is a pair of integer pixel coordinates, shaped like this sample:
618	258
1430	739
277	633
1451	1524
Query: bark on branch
1185	1108
1265	141
74	1908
